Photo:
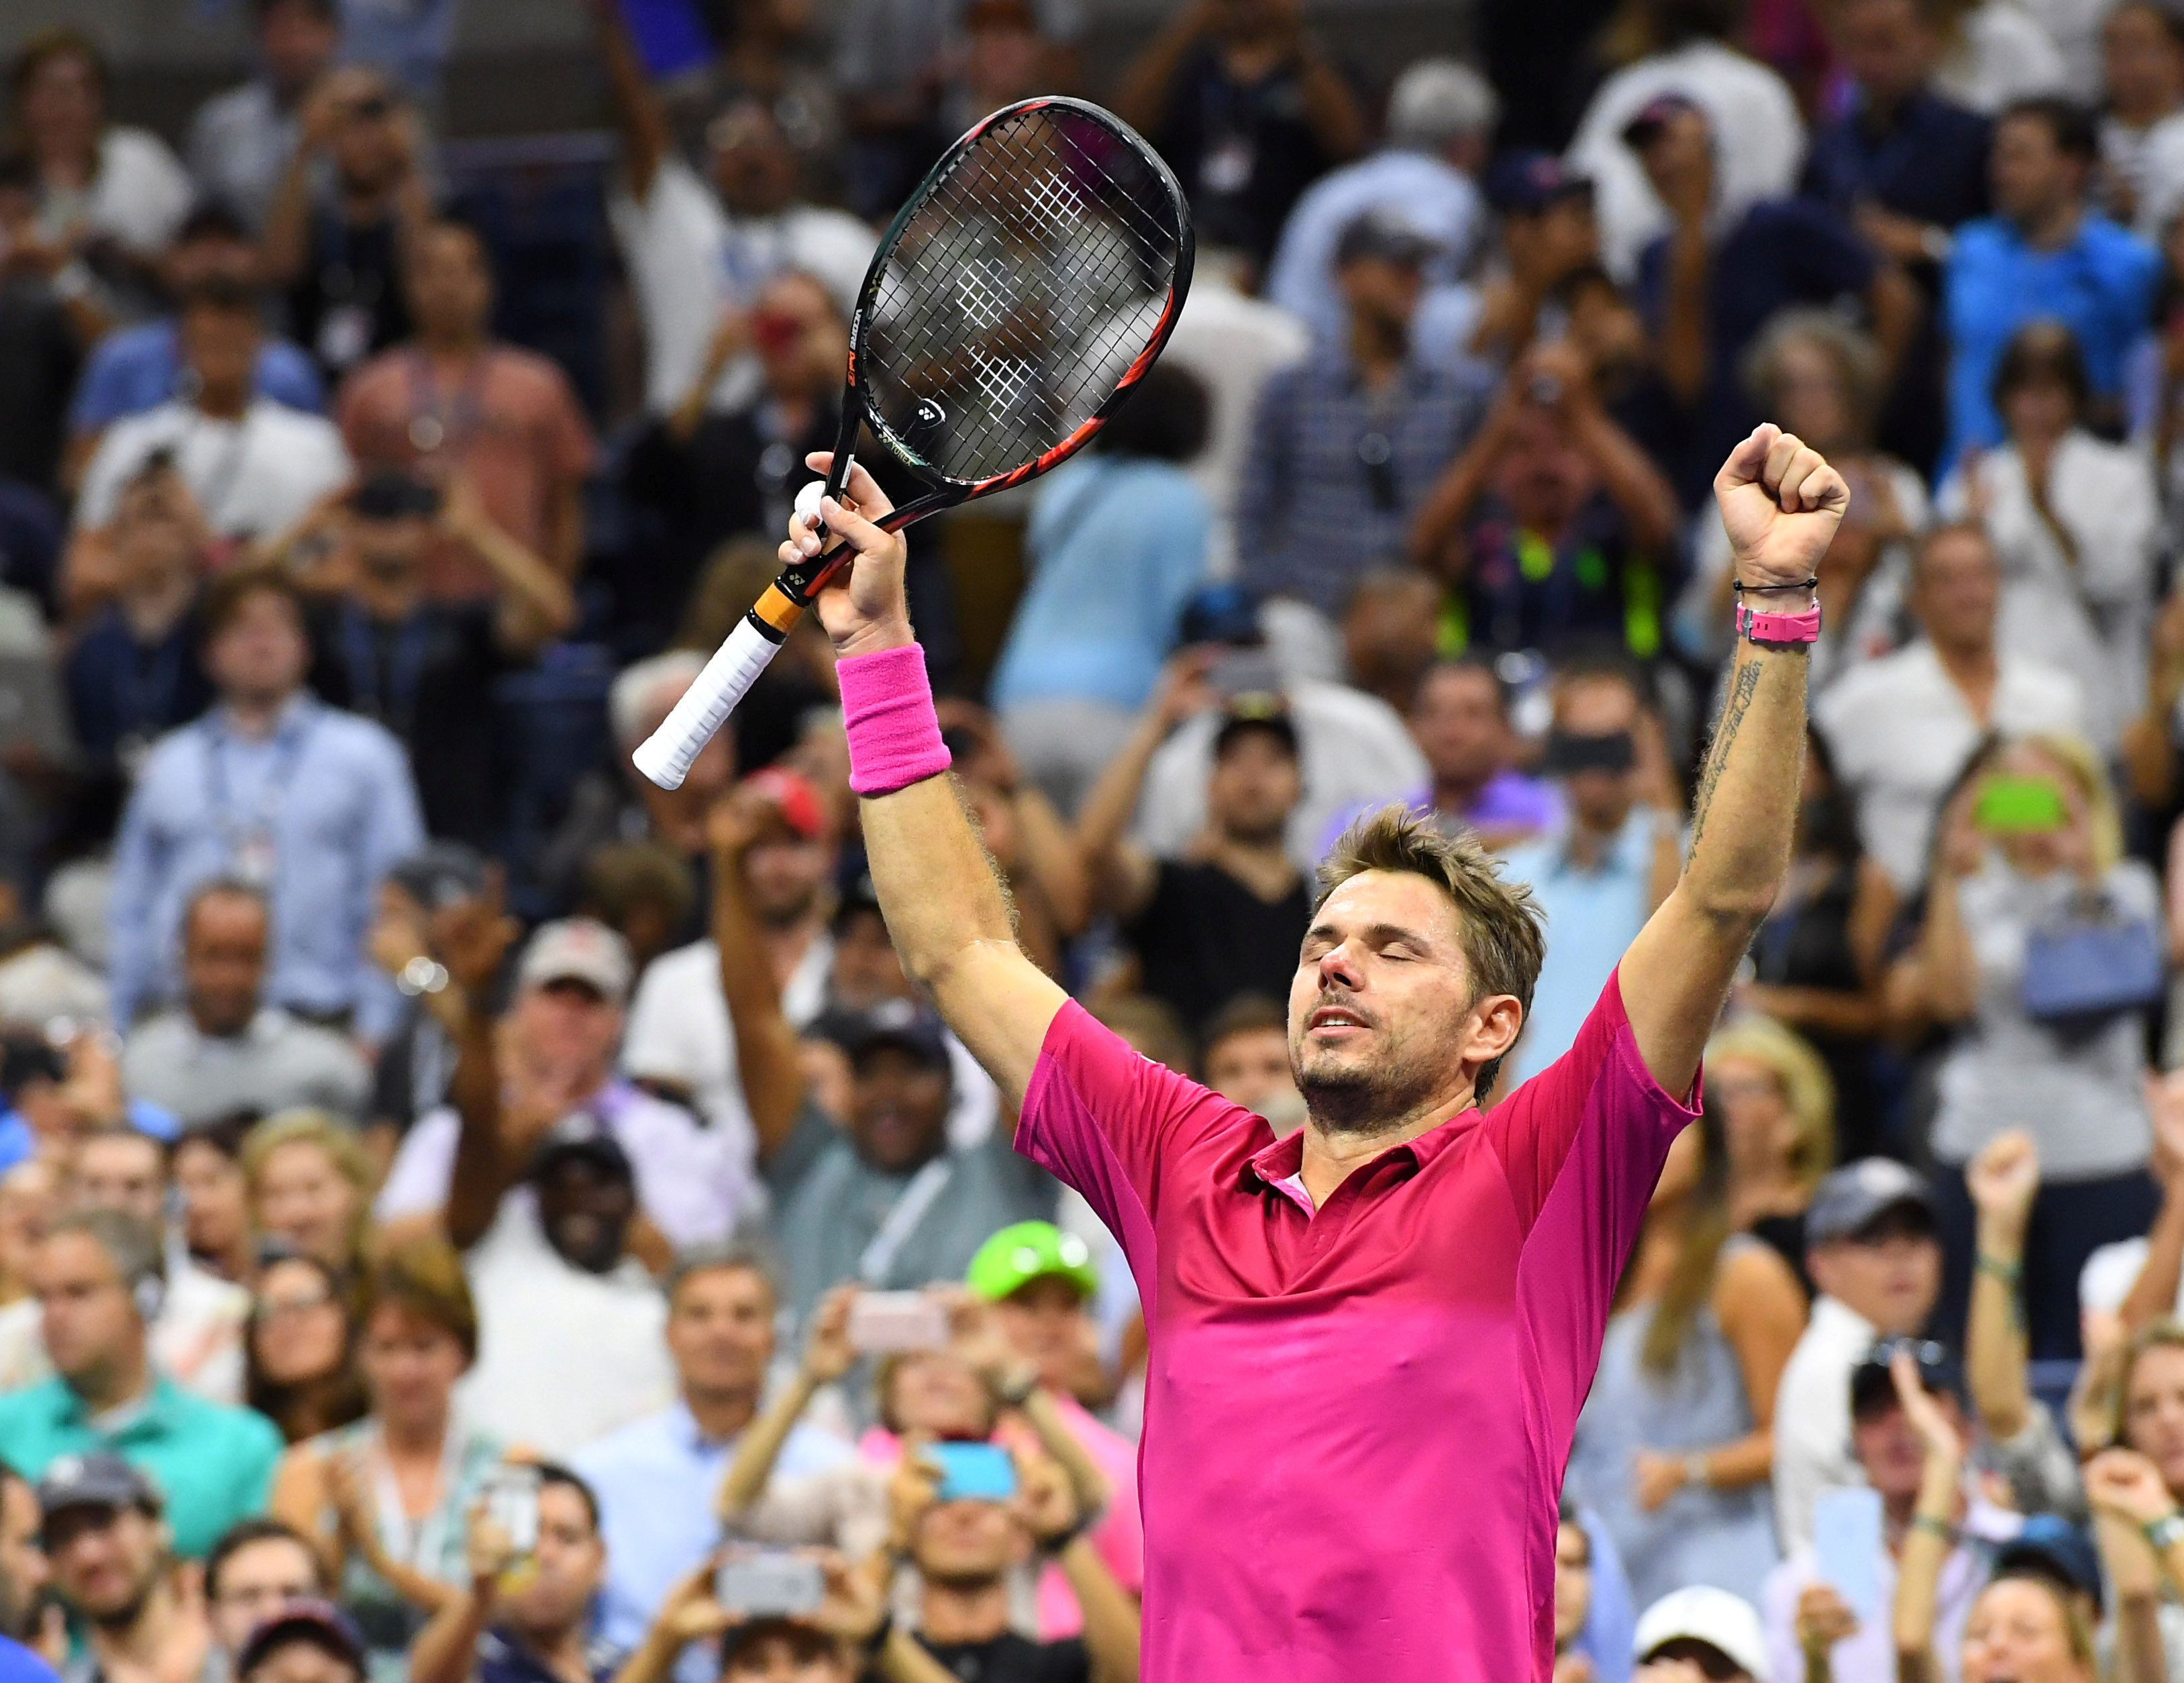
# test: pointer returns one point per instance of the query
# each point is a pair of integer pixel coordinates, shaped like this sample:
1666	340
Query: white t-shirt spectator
1900	732
1354	751
2002	54
1233	344
2088	613
252	477
680	1031
689	1180
564	1357
689	259
137	199
1812	1418
1759	142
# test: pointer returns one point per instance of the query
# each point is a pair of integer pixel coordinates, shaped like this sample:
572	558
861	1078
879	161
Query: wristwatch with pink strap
1777	628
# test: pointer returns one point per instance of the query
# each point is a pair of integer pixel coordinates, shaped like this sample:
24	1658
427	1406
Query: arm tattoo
1741	690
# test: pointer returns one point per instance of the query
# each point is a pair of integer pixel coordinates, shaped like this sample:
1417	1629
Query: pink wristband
1780	628
887	709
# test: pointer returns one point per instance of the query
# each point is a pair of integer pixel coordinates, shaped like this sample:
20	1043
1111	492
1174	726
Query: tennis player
1370	1339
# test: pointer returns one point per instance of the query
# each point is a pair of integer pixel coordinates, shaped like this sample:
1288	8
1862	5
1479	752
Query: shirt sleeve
132	940
1106	1120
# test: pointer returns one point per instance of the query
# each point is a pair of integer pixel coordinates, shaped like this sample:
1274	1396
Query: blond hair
1808	1088
1502	929
316	1128
2078	757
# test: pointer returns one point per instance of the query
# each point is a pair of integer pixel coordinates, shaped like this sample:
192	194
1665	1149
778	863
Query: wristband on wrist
1016	1391
1062	1539
887	713
1694	1471
2164	1534
2009	1272
1934	1527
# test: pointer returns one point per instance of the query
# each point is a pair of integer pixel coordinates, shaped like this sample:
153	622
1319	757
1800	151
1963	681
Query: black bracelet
1740	586
1061	1541
878	1639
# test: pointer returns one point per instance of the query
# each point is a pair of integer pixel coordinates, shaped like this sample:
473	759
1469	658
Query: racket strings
1020	290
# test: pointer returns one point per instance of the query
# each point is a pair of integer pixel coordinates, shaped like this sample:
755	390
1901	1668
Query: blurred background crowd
466	1211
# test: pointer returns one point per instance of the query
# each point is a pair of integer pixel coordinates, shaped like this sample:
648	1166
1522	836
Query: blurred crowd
467	1212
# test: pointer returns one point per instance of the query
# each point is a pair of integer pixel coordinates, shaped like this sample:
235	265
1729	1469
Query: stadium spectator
1872	1250
255	1571
339	256
1228	918
1675	1446
1808	1623
109	195
1613	859
2143	76
1116	545
1778	1124
1247	108
309	1187
302	1372
1347	445
1390	631
657	1478
215	1195
1553	525
1440	117
1824	379
698	250
1707	286
1899	730
311	806
46	324
458	407
223	1049
254	465
136	369
1684	51
1817	963
2075	523
388	1497
308	1641
1548	234
1247	1059
883	1197
422	665
760	57
99	1277
526	1613
103	1525
554	1059
2045	251
134	672
239	142
1703	1630
2072	1076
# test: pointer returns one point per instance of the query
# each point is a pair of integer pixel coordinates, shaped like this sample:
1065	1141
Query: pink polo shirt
1357	1419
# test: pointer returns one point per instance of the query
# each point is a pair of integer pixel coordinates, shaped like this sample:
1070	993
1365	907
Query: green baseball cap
1030	1250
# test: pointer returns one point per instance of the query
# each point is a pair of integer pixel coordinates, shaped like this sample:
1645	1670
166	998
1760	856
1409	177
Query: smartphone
770	1584
2020	806
880	1321
511	1495
1846	1545
974	1472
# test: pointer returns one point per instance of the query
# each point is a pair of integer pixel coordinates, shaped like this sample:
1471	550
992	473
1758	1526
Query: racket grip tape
666	756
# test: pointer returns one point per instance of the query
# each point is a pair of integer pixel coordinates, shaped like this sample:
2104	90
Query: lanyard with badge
350	313
903	1217
253	853
436	425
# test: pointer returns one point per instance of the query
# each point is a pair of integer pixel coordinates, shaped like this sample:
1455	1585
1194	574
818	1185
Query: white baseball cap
1702	1613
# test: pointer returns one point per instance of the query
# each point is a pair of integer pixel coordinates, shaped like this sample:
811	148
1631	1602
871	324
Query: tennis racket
1018	296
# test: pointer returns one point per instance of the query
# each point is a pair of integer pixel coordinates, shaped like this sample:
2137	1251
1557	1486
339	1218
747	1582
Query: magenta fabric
1119	1535
886	710
1356	1420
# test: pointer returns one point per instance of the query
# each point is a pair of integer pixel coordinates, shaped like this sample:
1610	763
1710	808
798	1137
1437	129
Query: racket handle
664	757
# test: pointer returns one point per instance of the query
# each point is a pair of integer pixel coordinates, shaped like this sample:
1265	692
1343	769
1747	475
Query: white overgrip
664	757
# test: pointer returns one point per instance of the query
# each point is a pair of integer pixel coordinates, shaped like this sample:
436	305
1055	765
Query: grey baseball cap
1854	1196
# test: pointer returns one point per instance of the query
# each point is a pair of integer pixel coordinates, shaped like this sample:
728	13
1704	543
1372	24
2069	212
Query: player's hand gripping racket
1023	290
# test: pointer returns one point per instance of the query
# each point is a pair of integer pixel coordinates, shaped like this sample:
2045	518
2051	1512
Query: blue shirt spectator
1440	114
2044	253
140	367
19	1664
1346	445
311	805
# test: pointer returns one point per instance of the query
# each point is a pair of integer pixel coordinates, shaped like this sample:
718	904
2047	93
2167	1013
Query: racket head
1018	297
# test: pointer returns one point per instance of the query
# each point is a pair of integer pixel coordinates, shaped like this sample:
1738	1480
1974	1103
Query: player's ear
1495	1023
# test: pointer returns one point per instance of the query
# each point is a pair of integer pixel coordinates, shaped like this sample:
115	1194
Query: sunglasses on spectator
372	107
266	1309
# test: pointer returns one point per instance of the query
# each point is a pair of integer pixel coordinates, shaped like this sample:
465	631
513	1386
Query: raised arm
1933	1530
1121	874
943	902
2003	1179
1781	503
638	119
766	1044
827	1355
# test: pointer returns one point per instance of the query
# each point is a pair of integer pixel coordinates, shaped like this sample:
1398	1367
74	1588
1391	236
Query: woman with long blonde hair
1778	1110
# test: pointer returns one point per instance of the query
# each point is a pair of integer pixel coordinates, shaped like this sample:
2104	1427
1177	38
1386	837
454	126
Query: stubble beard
1375	1096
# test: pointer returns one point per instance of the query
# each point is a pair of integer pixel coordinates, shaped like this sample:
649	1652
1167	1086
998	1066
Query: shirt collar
296	713
1271	1164
148	1410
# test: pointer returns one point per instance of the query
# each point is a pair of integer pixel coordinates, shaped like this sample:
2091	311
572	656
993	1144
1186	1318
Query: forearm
1742	1461
1949	969
539	604
642	125
901	1659
1683	334
480	1177
1994	1347
1113	1631
1051	855
765	1043
1330	108
2140	1657
446	1649
759	1447
1646	500
1896	305
287	222
1144	85
1106	815
653	1660
1925	1548
1086	1481
1442	514
1744	812
2152	1295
